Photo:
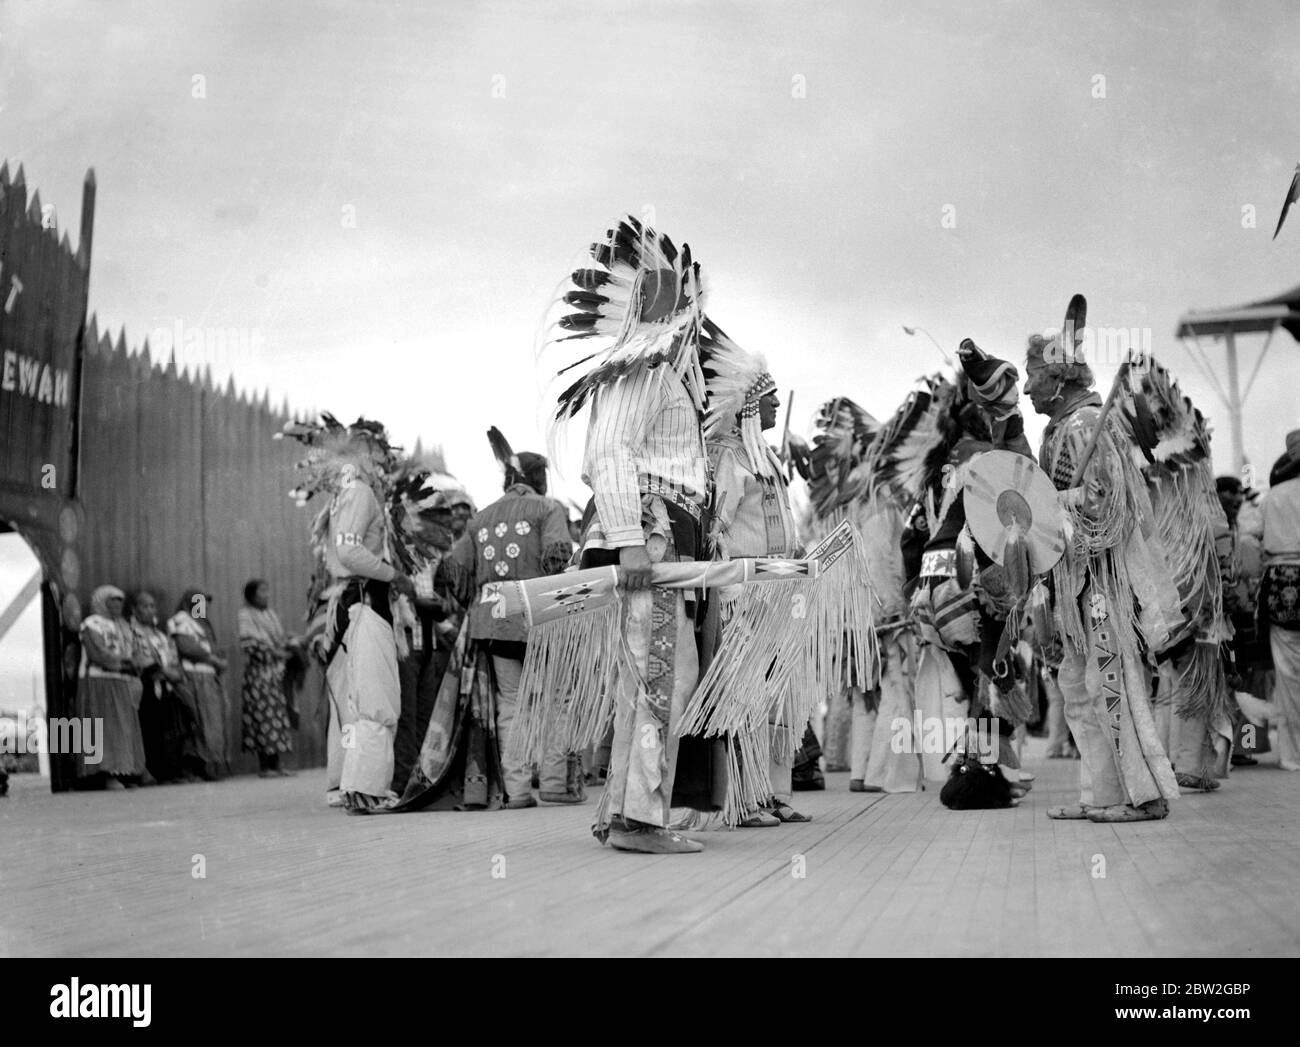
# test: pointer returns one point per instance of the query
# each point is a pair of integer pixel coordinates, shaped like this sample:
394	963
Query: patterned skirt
266	714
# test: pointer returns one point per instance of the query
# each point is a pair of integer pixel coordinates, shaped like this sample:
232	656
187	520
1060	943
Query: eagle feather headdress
837	462
410	492
333	452
734	382
912	447
638	302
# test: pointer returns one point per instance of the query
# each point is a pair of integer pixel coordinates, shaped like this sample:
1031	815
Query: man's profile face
767	408
1041	388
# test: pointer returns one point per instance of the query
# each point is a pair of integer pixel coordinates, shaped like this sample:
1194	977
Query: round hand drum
1003	488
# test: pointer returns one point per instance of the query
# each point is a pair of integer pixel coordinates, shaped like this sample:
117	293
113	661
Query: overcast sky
808	152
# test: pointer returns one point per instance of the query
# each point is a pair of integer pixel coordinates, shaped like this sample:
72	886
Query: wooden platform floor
108	874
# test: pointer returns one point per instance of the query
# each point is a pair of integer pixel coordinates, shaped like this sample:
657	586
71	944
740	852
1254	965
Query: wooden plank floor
109	874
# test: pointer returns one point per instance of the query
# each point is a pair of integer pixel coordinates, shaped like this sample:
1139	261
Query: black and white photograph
651	479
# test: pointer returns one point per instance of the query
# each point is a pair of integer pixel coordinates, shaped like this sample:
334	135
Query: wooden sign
43	290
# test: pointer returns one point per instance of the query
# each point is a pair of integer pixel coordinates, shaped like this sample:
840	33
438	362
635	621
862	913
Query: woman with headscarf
202	665
266	649
108	695
164	718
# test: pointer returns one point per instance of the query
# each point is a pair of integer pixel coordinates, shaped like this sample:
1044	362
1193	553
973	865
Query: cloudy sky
381	197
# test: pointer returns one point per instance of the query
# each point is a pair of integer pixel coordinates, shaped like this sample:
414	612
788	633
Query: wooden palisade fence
183	486
118	469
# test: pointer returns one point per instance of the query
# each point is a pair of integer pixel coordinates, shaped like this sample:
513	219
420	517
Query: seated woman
164	717
108	695
201	665
266	649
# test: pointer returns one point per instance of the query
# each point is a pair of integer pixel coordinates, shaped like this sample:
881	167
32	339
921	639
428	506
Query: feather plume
965	550
501	449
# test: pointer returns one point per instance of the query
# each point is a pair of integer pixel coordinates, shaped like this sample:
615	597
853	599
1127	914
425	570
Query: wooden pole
785	433
1234	403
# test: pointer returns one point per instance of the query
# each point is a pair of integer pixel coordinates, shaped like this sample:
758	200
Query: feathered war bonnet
337	452
838	472
407	490
734	382
419	508
636	304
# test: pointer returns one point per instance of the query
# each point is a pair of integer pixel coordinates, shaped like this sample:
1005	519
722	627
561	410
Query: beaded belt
939	563
670	493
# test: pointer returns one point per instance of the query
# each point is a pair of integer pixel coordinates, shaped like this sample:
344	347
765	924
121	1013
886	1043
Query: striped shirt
644	438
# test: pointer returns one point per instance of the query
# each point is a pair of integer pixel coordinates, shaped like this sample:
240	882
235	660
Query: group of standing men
679	471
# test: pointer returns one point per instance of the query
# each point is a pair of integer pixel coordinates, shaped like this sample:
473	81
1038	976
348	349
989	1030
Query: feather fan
913	446
1164	424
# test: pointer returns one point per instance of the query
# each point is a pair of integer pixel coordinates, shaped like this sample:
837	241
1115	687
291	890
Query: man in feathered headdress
1106	569
357	542
751	516
639	302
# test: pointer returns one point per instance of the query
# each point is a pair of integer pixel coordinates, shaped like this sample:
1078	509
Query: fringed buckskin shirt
751	516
